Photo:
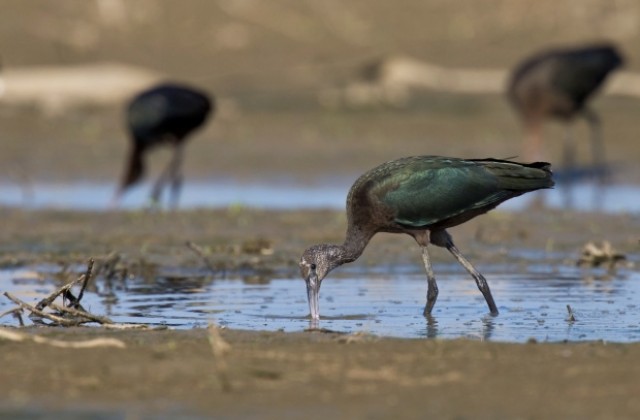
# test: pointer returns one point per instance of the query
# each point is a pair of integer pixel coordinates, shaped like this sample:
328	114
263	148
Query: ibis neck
355	243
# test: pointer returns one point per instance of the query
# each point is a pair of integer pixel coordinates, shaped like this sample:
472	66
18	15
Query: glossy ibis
558	84
422	196
164	114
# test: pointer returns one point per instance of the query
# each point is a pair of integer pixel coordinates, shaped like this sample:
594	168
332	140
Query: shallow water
97	196
583	196
532	304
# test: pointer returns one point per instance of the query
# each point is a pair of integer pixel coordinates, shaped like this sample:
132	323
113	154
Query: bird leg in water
479	278
176	170
443	239
156	192
432	286
169	173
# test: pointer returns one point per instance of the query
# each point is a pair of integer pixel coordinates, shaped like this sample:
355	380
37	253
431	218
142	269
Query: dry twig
78	313
96	342
202	254
61	290
10	311
35	311
85	281
572	317
72	314
16	312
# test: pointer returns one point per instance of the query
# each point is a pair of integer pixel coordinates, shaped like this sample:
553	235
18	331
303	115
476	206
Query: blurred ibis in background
558	84
422	196
164	114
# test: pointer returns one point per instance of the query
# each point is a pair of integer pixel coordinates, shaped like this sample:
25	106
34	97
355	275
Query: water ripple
532	305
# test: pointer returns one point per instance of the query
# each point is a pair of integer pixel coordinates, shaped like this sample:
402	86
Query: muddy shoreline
310	374
276	238
316	375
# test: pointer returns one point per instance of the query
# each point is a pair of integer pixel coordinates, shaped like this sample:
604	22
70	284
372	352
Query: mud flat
310	374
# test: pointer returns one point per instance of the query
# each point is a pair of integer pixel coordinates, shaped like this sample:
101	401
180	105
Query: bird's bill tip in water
313	294
309	269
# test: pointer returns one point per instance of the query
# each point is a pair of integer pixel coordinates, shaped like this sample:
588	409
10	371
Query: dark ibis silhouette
163	114
422	196
557	84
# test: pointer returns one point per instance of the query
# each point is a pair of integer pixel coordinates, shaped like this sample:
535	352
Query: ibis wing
422	197
579	83
580	74
148	112
151	112
153	108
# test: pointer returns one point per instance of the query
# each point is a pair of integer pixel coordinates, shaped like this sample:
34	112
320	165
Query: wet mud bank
315	375
311	374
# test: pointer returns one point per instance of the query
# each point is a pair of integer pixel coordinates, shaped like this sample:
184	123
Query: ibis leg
156	192
176	175
432	286
168	174
479	278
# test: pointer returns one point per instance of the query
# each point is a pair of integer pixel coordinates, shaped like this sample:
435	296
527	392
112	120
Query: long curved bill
313	294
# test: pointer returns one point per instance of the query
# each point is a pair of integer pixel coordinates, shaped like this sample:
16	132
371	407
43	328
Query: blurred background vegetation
278	68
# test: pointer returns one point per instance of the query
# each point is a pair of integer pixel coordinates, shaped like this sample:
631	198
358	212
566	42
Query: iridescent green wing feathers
425	190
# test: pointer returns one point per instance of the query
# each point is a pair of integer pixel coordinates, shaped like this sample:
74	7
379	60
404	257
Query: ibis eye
313	266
